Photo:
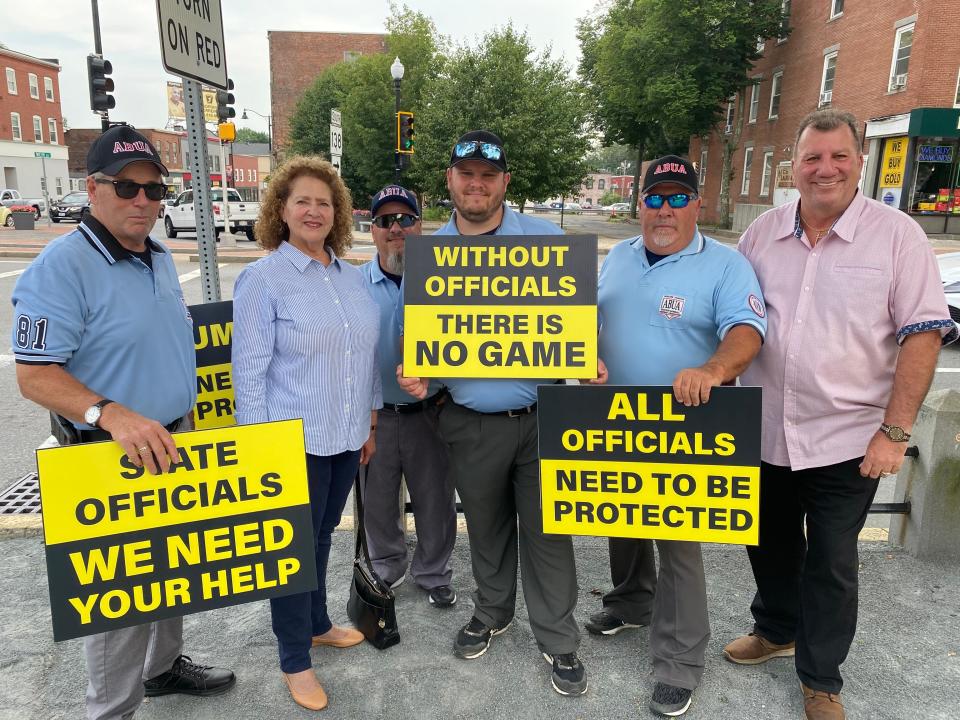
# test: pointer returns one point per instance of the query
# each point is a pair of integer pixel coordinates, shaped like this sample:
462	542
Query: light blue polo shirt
120	328
496	395
657	320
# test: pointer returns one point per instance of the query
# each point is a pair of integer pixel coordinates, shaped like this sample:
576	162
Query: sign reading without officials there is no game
213	341
229	523
621	461
500	306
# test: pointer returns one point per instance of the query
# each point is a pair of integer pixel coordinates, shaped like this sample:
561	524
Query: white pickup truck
10	197
180	215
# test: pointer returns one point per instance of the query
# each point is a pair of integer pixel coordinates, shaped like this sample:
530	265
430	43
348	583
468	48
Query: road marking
12	273
948	369
194	274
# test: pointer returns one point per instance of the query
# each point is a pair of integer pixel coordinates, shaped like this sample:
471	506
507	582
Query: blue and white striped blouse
305	346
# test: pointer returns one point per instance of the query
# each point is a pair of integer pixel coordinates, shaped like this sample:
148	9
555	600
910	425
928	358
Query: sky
131	42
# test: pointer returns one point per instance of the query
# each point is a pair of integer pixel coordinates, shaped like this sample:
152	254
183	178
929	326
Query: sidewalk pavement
903	664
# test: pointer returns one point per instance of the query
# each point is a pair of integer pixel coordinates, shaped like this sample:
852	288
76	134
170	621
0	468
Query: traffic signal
405	133
227	132
224	101
100	85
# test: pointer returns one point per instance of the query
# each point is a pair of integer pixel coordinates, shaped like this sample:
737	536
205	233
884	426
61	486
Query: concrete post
931	483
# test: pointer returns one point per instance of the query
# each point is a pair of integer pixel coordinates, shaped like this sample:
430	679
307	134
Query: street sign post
46	185
336	140
191	40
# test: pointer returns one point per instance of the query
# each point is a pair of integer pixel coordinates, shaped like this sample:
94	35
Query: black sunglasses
128	189
402	219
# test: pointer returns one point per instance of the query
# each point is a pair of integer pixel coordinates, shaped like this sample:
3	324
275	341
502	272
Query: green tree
609	197
612	159
249	135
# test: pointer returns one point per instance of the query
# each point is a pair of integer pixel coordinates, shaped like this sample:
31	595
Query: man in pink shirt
856	319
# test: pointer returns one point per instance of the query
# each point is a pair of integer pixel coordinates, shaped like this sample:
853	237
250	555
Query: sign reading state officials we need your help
229	523
622	461
500	306
213	342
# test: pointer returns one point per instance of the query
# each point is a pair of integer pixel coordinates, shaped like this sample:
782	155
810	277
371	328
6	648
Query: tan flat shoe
315	699
339	637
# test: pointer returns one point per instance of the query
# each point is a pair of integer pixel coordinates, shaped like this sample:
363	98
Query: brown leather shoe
753	649
339	637
820	705
313	699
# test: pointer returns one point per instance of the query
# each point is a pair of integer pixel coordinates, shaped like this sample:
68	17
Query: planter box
23	220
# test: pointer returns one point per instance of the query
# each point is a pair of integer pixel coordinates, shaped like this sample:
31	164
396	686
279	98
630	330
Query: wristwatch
894	432
91	415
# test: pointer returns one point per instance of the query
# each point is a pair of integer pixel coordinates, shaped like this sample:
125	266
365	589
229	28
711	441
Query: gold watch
894	432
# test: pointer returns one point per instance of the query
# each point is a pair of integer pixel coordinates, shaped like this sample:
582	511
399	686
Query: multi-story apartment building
33	154
894	64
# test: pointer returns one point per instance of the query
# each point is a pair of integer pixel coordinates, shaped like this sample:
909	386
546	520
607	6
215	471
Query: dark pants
297	618
807	586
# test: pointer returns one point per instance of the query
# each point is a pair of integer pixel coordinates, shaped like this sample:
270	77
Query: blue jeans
297	618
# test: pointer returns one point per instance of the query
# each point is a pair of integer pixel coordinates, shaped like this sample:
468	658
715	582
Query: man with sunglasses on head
490	427
680	309
104	341
409	445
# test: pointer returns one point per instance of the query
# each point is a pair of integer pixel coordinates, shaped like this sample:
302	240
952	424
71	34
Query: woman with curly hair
304	346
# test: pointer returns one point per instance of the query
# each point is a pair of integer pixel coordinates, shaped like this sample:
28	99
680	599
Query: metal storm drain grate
22	497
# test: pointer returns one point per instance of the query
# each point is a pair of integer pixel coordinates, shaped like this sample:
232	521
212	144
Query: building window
785	21
747	161
775	88
731	111
351	55
767	173
601	184
836	8
760	45
754	101
702	170
34	86
52	130
48	88
11	82
37	129
956	100
826	81
15	126
59	187
588	183
901	58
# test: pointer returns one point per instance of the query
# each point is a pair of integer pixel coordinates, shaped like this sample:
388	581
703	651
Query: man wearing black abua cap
491	429
103	340
681	310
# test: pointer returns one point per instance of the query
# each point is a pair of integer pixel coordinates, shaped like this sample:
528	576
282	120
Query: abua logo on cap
138	146
672	167
394	193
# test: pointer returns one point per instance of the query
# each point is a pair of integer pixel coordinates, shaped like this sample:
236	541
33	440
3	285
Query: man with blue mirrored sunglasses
682	310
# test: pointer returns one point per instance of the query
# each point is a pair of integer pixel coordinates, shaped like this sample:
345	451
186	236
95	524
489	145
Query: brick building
167	142
895	65
296	58
33	156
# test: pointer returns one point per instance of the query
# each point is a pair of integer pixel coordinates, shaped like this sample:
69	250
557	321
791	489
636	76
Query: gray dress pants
119	661
495	466
409	446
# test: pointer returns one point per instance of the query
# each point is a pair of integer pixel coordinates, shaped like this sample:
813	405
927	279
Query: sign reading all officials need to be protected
500	306
622	461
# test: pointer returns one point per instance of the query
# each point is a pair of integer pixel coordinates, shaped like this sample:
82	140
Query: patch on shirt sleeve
186	309
756	304
671	306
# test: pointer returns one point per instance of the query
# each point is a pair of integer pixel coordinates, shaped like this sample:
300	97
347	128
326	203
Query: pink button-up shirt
837	312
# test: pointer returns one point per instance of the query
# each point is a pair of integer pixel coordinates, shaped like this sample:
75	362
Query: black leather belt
67	434
519	412
415	407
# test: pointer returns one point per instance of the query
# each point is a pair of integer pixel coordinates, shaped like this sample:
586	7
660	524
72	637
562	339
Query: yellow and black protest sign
229	523
500	306
622	461
212	338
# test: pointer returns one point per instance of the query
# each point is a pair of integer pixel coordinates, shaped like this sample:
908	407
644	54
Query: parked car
949	264
567	207
540	207
10	197
243	213
620	207
70	207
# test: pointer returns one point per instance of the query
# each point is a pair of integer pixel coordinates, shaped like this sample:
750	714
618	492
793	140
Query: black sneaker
442	596
189	678
569	677
474	639
603	623
669	700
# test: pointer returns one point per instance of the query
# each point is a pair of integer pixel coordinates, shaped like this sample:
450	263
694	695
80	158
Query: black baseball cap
118	147
670	169
394	193
480	145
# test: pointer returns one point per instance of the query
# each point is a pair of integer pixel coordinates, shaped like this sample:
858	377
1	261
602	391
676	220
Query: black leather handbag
371	603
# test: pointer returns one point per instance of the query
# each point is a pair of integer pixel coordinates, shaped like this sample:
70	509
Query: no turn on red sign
191	40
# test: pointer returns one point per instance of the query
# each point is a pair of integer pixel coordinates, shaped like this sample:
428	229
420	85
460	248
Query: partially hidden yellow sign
500	306
630	462
894	162
213	342
229	523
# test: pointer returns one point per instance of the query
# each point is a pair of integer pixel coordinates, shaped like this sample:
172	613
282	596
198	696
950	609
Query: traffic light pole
397	166
98	49
203	210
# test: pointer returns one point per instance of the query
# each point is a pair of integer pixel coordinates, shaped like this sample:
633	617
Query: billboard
176	108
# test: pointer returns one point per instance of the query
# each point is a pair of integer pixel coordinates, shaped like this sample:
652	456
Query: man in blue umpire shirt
490	428
408	440
103	339
676	308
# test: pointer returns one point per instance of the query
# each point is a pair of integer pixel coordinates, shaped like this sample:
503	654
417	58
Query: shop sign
935	153
893	163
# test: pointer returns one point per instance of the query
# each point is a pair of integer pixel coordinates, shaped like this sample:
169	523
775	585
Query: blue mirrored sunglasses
676	201
469	149
402	219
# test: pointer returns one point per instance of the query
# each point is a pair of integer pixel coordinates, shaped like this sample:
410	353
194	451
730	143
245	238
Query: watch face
92	415
897	434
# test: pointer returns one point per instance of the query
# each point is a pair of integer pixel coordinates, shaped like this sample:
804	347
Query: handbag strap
360	547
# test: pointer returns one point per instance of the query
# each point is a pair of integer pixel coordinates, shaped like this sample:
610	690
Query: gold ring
142	450
883	474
